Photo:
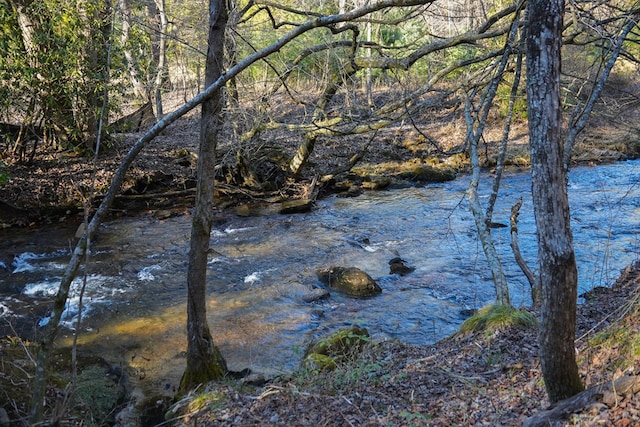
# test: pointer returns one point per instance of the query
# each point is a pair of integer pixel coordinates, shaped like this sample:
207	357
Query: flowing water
262	267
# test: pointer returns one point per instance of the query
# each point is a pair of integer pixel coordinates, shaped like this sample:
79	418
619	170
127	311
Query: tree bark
204	361
161	68
558	273
133	67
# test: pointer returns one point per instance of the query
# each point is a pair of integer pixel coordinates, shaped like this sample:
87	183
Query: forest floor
481	378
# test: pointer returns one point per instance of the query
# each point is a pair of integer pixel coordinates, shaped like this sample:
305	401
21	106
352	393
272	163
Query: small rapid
260	269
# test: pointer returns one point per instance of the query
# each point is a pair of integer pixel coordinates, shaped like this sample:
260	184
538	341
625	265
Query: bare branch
515	247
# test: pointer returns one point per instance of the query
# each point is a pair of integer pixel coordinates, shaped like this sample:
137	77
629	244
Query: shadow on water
261	268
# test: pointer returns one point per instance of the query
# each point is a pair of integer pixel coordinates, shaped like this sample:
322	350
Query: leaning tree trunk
558	273
204	360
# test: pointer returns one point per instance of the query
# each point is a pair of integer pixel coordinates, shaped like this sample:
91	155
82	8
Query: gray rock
4	418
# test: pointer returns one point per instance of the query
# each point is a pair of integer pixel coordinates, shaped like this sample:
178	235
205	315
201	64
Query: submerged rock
349	280
397	266
315	294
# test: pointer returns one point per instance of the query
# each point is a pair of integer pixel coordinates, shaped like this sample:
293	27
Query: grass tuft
497	316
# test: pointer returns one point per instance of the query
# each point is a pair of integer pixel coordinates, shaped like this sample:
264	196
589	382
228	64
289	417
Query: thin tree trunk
161	70
133	67
204	361
558	273
515	247
493	259
483	220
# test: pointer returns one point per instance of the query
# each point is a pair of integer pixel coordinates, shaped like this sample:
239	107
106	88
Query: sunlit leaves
52	64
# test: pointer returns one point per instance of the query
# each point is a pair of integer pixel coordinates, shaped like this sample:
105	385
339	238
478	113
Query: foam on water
146	274
30	262
252	278
99	291
227	231
4	310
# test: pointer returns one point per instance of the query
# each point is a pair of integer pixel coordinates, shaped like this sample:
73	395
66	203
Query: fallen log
609	393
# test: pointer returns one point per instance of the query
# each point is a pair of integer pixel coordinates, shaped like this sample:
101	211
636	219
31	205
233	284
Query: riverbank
450	383
479	378
55	185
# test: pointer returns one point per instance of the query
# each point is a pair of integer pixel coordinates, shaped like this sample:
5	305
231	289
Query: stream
261	267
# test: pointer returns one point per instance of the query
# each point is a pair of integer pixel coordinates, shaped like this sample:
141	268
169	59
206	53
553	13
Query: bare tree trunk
161	70
482	219
204	361
558	273
132	62
515	246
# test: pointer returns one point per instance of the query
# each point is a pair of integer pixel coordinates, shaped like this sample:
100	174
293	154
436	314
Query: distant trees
53	62
144	40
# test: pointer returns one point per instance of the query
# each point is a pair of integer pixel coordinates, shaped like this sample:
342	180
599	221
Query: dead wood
139	120
515	247
610	393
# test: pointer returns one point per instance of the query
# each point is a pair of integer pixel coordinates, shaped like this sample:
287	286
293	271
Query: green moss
97	393
340	343
210	400
329	351
202	374
319	362
497	316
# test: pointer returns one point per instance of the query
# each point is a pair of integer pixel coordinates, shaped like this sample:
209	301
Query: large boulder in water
349	280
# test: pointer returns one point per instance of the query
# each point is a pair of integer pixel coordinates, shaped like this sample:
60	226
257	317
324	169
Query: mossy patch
412	170
97	393
497	316
327	352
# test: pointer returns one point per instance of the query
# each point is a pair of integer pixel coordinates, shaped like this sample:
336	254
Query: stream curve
261	268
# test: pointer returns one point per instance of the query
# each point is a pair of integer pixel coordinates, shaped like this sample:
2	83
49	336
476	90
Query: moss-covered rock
414	170
425	173
326	352
296	206
319	362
